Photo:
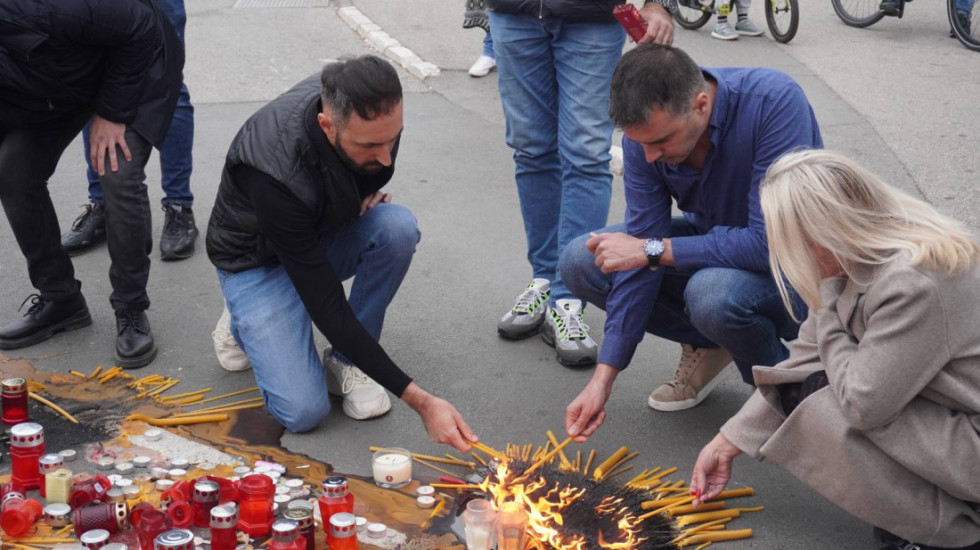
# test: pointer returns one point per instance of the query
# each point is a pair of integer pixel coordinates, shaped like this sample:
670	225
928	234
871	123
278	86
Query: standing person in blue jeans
555	59
475	15
703	138
179	229
299	210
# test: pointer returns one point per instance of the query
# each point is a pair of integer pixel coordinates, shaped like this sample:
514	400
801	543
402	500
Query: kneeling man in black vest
299	210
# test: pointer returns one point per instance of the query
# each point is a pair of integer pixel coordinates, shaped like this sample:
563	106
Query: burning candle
511	527
392	468
478	522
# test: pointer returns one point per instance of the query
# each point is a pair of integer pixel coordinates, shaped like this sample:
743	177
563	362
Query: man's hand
713	469
442	421
373	199
660	25
586	413
104	137
617	252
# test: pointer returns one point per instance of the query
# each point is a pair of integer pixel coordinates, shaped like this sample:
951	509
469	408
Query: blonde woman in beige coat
878	406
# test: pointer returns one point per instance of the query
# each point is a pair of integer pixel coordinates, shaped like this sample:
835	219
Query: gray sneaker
699	371
564	330
724	31
746	27
525	318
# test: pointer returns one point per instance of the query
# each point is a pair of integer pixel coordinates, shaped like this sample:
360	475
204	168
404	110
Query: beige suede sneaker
699	371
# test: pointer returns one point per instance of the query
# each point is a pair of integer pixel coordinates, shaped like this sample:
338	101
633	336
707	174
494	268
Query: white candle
477	538
392	469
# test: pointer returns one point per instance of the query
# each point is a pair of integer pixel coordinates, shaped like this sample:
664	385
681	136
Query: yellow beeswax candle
57	485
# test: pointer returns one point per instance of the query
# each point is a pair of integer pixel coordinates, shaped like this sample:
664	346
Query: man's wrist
415	397
670	6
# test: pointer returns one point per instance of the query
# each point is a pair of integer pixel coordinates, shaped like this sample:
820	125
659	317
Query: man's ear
700	103
325	120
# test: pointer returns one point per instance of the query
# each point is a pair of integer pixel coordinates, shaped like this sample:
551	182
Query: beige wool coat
895	437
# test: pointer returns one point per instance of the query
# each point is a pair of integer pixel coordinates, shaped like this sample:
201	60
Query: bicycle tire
858	13
692	19
783	11
968	36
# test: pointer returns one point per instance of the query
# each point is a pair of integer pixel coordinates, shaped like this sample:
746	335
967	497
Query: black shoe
894	542
179	233
134	340
44	319
891	7
87	231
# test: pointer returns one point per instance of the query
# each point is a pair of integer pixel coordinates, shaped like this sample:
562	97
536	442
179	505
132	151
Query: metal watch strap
669	5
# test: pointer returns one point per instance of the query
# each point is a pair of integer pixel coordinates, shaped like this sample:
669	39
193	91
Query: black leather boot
87	231
179	233
134	340
44	319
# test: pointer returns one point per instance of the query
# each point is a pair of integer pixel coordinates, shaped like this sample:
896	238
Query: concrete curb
383	42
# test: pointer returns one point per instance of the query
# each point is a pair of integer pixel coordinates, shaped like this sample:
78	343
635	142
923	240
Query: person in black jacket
555	60
300	209
62	64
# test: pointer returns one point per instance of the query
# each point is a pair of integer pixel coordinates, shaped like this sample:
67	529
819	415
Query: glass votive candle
478	523
392	468
511	526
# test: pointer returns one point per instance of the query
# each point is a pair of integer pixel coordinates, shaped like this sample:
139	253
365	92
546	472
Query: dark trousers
28	157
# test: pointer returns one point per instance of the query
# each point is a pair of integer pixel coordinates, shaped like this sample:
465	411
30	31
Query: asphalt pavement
899	97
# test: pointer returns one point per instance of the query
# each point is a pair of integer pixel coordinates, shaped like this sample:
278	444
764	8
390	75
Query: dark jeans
28	157
175	152
736	309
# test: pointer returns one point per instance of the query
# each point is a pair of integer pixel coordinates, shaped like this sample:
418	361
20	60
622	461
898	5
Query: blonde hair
823	198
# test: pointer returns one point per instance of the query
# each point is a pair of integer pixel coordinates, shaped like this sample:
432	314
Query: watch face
653	247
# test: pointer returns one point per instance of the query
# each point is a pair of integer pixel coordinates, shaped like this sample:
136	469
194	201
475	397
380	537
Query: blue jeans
554	78
736	309
175	151
271	324
488	46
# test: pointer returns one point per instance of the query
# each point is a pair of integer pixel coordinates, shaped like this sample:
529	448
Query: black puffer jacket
582	10
120	58
284	141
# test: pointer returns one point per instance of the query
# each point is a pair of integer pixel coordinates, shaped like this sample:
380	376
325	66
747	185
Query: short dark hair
367	84
651	77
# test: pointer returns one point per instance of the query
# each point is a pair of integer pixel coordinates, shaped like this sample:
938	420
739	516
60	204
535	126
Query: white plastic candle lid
177	473
106	463
123	483
377	530
113	478
293	483
141	461
124	467
164	484
160	473
68	455
181	463
273	474
153	435
424	490
282	490
282	499
425	501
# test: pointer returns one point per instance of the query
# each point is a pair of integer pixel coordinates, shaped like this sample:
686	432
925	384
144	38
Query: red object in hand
149	524
14	399
255	493
88	491
336	499
17	514
181	514
631	20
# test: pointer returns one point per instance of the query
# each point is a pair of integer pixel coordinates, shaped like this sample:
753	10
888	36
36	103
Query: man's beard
368	169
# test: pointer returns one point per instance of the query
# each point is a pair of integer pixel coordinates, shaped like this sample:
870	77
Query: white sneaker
484	64
724	31
230	356
363	398
525	318
564	330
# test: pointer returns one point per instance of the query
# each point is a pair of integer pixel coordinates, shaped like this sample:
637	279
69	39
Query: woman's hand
713	469
442	421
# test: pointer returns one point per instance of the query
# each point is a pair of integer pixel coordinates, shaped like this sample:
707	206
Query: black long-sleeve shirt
291	229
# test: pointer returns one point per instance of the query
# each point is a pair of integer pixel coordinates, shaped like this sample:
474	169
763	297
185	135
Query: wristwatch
654	248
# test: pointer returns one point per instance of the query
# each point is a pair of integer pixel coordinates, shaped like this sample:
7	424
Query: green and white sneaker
525	318
564	330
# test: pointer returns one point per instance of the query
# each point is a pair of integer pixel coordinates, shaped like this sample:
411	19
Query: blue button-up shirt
757	116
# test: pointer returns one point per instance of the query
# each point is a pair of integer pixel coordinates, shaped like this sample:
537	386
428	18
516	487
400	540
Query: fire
546	503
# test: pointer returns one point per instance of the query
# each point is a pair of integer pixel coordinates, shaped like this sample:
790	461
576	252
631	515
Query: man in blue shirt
704	138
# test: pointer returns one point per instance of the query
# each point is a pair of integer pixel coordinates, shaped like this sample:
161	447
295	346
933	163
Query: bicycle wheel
858	13
691	18
783	18
964	18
